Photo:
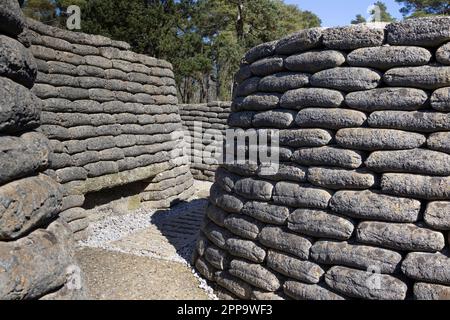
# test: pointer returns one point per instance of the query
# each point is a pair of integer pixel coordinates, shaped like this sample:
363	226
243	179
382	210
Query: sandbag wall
360	206
204	123
36	248
111	116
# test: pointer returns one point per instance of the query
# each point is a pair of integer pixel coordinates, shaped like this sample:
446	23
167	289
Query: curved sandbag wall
360	206
204	125
36	246
111	116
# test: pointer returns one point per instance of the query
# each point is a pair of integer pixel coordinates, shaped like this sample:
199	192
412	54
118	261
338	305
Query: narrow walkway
145	255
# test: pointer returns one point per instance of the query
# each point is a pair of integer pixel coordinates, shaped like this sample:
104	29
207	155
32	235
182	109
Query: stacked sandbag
360	205
111	116
205	125
36	249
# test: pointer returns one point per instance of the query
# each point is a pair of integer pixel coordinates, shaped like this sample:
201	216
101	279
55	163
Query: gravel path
146	254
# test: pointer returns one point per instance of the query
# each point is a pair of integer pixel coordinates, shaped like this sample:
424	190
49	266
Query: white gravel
113	228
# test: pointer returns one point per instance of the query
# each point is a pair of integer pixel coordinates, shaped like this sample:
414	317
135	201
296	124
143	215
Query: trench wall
36	243
360	206
111	116
205	125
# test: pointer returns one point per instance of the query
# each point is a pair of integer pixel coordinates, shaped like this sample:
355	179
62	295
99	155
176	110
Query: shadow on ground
142	255
181	226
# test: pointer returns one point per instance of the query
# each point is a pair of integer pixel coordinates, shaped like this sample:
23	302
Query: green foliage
49	11
41	10
290	18
385	16
164	29
358	19
418	8
203	39
231	27
63	4
141	25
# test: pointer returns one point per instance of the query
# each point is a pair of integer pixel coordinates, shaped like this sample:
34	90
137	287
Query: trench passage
143	254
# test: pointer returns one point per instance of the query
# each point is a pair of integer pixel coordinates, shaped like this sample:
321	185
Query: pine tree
416	8
203	39
358	19
381	13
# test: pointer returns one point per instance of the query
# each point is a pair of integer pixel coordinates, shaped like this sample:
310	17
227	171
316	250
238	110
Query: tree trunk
217	81
207	86
240	20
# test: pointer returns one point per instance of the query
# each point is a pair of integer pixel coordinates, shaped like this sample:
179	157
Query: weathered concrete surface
144	253
119	276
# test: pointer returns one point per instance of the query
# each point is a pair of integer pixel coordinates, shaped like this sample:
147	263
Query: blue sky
341	12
